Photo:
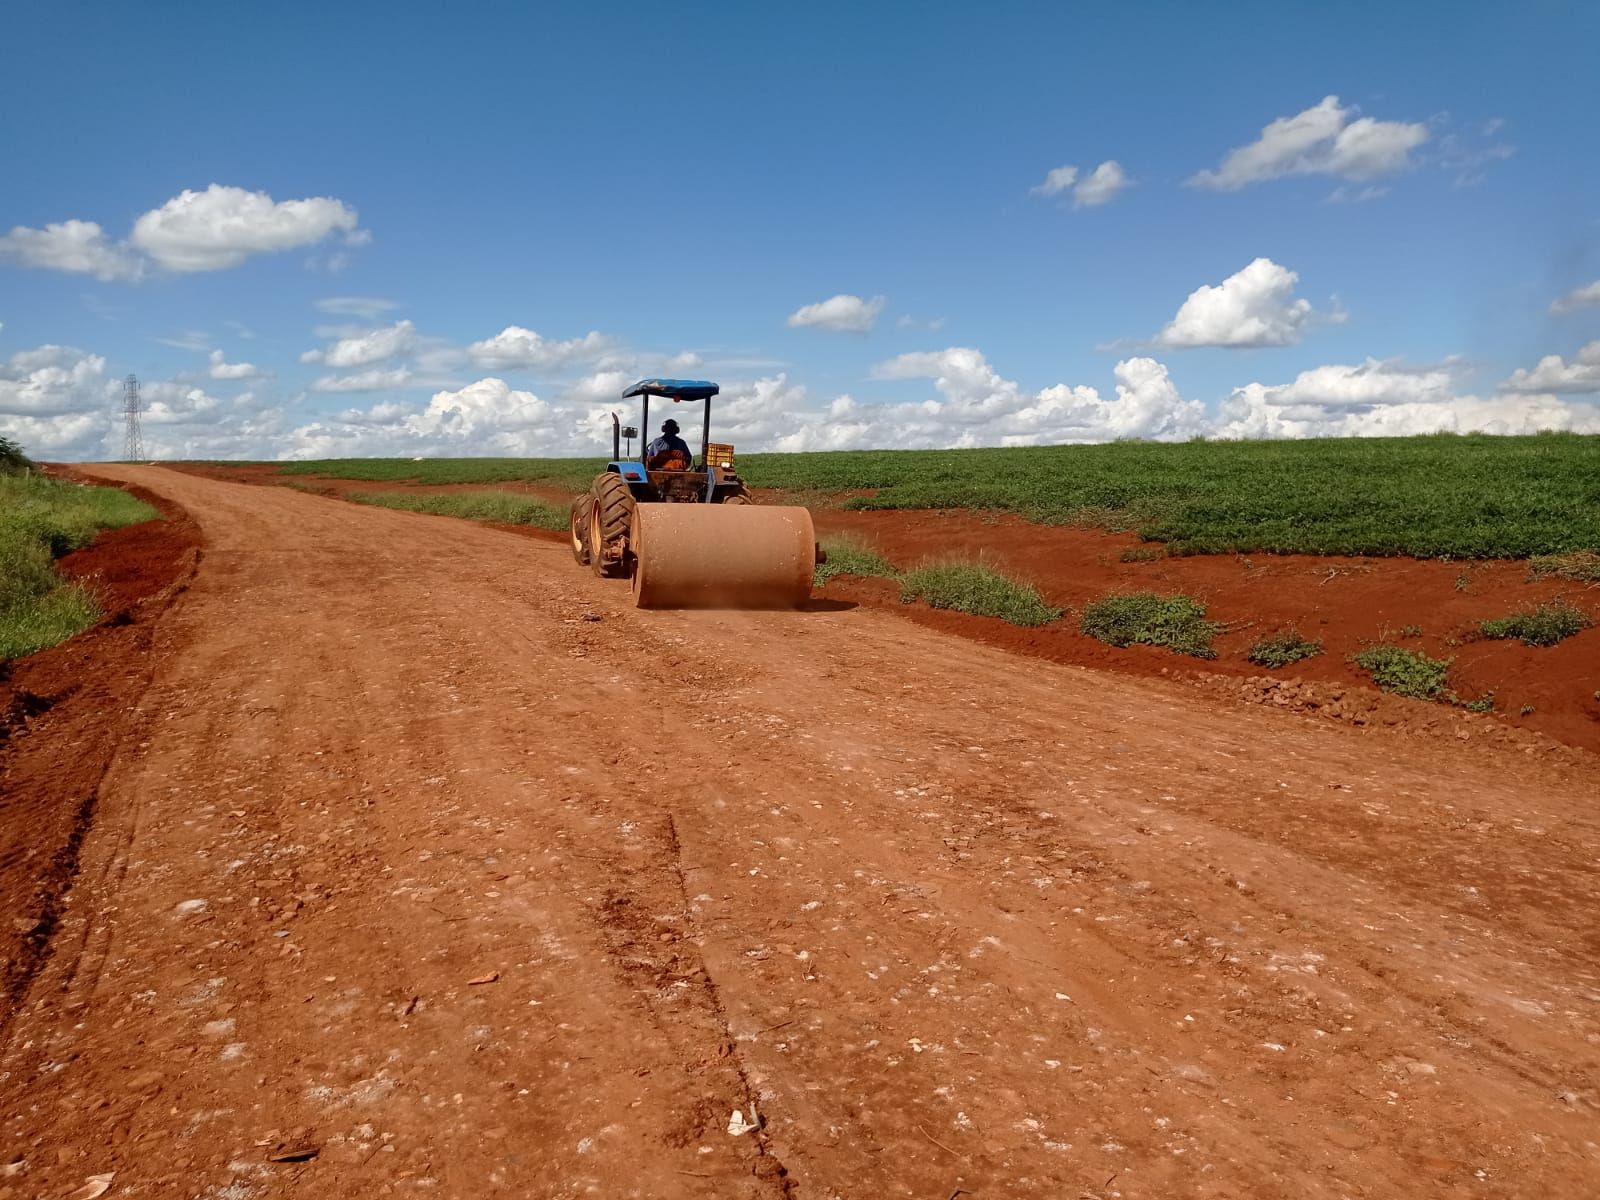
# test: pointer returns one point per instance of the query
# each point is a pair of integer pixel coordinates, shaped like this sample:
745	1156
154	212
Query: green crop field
1443	496
574	473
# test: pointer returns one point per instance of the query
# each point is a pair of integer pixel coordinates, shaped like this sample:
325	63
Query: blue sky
684	181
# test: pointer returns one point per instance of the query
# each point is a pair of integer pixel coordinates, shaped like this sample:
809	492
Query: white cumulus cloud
76	247
60	403
1587	296
843	313
358	350
222	369
515	346
1388	399
1099	186
222	226
51	381
1555	374
194	231
376	379
1058	180
487	416
1253	307
1326	139
981	407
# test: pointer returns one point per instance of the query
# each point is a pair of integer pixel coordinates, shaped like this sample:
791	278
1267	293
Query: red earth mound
61	713
1346	603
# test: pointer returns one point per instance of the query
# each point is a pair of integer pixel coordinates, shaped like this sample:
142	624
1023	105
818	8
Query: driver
669	452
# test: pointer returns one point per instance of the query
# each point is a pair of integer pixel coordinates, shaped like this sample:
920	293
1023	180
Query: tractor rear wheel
579	530
610	515
736	498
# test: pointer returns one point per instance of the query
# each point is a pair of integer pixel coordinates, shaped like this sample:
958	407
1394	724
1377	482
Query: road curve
435	869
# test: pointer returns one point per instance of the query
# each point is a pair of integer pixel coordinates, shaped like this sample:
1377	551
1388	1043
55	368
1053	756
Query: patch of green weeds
850	556
1404	672
1151	619
1542	626
1412	673
511	508
1282	648
1141	553
969	588
1582	566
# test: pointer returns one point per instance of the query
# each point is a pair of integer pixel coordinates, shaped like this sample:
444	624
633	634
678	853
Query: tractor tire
736	498
579	530
610	515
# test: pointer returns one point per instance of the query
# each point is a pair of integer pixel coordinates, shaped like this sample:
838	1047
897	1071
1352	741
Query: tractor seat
672	460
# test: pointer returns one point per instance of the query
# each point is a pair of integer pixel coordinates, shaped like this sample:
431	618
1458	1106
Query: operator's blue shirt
667	441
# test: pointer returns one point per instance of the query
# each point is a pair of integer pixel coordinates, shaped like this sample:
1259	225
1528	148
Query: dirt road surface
433	868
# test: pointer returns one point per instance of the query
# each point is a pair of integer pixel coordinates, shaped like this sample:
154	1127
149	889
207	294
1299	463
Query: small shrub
511	508
11	456
1141	553
1282	648
1149	619
1542	626
849	556
1527	710
1483	704
1404	672
1580	565
968	588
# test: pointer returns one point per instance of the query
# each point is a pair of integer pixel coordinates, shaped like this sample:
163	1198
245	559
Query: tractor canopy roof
674	389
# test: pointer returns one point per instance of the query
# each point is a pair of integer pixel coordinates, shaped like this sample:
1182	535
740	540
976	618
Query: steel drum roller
722	556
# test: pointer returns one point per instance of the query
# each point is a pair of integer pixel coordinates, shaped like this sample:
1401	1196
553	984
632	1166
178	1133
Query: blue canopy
674	389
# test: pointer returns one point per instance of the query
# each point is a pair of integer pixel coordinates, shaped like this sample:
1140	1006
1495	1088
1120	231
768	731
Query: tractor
686	531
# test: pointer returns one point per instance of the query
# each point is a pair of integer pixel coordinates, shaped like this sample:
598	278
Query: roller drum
722	556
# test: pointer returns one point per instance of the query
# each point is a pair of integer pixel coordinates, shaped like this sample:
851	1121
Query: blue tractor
684	529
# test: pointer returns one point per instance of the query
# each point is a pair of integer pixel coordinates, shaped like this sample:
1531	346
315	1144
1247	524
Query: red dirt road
429	854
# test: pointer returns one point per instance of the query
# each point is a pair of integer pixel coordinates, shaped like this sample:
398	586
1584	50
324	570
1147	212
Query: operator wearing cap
669	452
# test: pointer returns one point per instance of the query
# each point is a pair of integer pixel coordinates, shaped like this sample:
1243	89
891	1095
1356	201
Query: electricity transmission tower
132	438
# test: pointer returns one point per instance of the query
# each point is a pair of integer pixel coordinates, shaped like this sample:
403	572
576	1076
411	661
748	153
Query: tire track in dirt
968	922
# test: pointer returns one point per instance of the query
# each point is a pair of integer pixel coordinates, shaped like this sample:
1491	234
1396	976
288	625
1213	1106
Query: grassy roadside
40	520
511	508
